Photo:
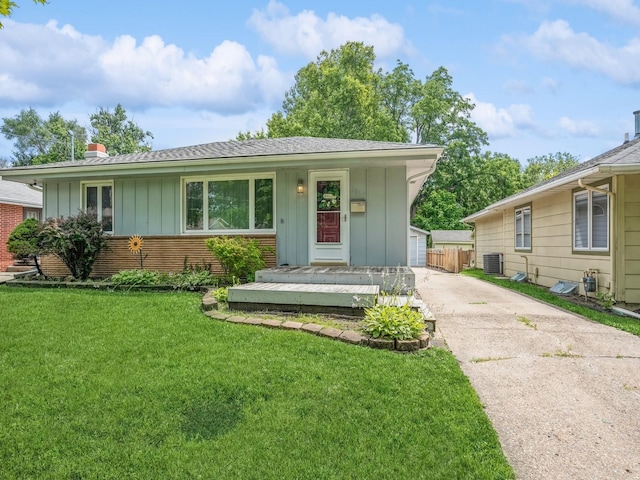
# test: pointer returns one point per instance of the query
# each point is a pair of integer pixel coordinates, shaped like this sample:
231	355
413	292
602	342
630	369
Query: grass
626	324
114	385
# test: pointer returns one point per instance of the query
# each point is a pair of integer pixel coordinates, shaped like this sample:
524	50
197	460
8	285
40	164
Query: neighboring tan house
452	239
584	219
317	201
17	202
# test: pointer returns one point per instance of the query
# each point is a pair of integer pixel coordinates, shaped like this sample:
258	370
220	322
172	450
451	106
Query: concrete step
20	268
398	280
320	298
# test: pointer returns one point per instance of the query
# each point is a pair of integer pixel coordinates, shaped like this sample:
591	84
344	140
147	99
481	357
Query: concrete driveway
563	392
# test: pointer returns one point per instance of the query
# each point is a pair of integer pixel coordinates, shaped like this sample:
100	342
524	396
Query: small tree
24	241
76	240
238	256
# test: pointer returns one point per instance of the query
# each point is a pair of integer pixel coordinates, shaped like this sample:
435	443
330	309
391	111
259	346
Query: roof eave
29	175
522	197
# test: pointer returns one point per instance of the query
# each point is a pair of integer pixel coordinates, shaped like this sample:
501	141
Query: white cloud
578	128
501	122
65	65
550	84
557	42
307	34
621	10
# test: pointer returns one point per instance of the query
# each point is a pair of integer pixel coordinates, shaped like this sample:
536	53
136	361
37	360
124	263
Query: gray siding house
316	201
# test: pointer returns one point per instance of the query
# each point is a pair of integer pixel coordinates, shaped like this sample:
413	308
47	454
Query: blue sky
546	75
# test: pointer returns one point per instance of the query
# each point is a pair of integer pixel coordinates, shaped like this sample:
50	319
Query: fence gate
449	259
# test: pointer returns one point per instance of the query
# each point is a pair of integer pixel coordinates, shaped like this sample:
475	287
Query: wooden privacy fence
450	259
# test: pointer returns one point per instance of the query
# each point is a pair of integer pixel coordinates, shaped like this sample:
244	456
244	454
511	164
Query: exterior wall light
300	187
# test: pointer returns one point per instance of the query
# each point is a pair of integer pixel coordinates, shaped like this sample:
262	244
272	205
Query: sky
545	76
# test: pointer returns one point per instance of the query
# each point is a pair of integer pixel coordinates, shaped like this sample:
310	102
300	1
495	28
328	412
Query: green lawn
626	324
104	385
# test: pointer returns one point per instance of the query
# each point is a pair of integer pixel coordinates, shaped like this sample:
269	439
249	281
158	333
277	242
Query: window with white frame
591	220
97	199
229	204
523	228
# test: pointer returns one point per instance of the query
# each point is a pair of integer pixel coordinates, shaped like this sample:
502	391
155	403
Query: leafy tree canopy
6	6
37	141
117	133
544	167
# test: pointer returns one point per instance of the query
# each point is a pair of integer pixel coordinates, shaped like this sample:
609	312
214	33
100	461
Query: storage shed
417	247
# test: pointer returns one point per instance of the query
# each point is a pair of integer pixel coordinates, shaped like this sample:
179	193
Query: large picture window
97	199
523	228
229	204
591	220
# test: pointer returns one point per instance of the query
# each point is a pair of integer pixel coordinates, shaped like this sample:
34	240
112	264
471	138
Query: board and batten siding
551	257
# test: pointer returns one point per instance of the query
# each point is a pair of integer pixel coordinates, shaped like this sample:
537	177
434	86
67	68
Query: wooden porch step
330	298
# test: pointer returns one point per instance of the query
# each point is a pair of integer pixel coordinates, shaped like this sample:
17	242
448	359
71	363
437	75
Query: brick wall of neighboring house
10	217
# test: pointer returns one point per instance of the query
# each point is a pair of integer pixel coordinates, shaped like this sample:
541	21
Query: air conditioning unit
492	263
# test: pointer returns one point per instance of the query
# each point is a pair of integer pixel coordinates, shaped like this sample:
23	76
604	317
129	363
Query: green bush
191	280
24	241
137	278
239	257
221	294
76	240
390	321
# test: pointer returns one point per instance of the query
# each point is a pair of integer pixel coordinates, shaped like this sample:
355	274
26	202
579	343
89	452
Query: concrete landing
329	298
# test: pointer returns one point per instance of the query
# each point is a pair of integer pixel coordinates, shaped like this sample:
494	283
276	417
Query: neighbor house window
97	199
591	220
229	203
523	228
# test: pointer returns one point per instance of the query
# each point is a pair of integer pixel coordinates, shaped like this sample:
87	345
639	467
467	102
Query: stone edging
209	305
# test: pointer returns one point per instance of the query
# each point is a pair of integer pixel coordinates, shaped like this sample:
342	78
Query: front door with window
329	217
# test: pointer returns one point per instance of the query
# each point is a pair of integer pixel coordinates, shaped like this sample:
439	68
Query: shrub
238	256
24	241
76	240
193	279
221	294
136	278
390	321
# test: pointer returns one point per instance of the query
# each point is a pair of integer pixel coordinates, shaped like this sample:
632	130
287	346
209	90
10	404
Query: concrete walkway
5	276
563	392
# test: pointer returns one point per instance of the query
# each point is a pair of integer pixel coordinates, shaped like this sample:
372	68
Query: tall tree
117	133
6	6
338	96
38	141
544	167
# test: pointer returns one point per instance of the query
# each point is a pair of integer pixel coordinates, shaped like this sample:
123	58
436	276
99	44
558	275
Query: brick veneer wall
163	253
10	217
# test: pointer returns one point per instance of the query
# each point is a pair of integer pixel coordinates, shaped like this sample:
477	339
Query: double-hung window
229	204
523	228
591	220
97	199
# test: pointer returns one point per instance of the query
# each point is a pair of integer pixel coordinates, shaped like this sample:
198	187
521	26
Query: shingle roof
244	148
19	194
452	236
626	154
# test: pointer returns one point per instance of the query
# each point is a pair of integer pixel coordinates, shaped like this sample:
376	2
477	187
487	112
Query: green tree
6	6
24	241
544	167
117	133
37	141
338	96
475	181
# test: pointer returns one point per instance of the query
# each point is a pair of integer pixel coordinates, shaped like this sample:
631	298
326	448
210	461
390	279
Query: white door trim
337	253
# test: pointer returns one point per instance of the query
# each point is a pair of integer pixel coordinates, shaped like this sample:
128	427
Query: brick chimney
95	150
636	114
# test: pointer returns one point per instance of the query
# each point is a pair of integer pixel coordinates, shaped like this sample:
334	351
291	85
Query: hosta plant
391	321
